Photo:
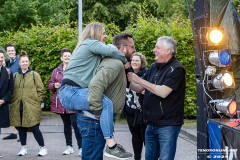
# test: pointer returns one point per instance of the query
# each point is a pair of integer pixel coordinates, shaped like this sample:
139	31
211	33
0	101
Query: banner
224	142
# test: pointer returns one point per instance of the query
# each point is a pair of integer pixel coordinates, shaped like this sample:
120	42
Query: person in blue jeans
163	102
82	66
110	80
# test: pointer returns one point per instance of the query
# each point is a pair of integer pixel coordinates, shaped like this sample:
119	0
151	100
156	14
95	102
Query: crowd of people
91	88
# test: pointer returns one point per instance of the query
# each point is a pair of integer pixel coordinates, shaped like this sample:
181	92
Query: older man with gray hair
163	104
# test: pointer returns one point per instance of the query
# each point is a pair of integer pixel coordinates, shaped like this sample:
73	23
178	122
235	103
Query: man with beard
109	80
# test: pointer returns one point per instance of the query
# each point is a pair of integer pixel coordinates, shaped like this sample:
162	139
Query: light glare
216	36
227	79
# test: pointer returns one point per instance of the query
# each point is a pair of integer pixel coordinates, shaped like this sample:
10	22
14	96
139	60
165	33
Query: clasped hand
132	77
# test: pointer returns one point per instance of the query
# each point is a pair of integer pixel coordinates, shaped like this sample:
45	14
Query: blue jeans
93	142
76	98
161	142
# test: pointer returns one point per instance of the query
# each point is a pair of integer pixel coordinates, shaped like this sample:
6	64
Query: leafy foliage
20	14
17	14
173	8
237	5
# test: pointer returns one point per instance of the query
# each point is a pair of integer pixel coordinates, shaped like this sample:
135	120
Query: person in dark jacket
6	90
69	118
133	107
163	103
13	65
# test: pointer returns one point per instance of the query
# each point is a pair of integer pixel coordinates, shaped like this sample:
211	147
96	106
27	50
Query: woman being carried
82	67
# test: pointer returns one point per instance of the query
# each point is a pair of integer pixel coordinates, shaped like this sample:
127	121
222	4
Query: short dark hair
65	50
120	39
10	45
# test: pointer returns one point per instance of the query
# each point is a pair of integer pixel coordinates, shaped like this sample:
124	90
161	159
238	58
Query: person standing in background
25	104
68	117
133	107
6	90
13	65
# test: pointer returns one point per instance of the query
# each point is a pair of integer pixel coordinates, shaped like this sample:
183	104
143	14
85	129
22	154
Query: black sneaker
118	152
10	136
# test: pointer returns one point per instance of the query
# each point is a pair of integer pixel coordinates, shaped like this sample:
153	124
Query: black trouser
138	136
22	131
69	121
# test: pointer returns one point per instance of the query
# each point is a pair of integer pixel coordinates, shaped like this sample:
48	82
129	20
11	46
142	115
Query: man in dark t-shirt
163	103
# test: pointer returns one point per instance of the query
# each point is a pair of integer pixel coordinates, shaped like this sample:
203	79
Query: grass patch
190	123
121	121
48	113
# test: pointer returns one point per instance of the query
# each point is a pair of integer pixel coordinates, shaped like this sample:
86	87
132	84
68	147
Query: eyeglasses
133	47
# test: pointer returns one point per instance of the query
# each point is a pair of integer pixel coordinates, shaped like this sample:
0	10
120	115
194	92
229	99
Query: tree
17	14
121	12
21	14
237	5
170	8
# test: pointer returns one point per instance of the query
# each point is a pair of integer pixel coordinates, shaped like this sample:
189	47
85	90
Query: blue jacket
13	65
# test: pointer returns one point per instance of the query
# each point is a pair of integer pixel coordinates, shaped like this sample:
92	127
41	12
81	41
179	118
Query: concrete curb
190	133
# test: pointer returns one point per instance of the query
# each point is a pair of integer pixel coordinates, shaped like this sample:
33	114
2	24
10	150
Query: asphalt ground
52	129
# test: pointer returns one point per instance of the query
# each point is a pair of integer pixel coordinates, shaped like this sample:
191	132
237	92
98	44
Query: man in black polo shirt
163	104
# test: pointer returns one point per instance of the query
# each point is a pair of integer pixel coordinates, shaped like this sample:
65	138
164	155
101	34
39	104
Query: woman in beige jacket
25	109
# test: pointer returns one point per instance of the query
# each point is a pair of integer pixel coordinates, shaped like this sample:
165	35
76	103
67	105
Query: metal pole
79	18
199	20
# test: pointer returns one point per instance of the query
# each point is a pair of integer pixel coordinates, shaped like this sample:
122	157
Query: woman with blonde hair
25	104
73	93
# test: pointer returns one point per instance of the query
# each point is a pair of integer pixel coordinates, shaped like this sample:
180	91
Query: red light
232	108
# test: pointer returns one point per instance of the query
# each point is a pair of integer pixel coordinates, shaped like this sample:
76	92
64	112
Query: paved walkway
52	129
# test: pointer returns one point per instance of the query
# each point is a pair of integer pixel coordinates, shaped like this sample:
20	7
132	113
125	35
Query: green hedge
43	44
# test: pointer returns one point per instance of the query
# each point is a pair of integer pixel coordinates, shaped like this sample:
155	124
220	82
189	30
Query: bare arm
139	84
136	87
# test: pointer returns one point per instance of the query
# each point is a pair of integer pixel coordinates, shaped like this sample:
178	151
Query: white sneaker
23	151
42	151
68	151
80	152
